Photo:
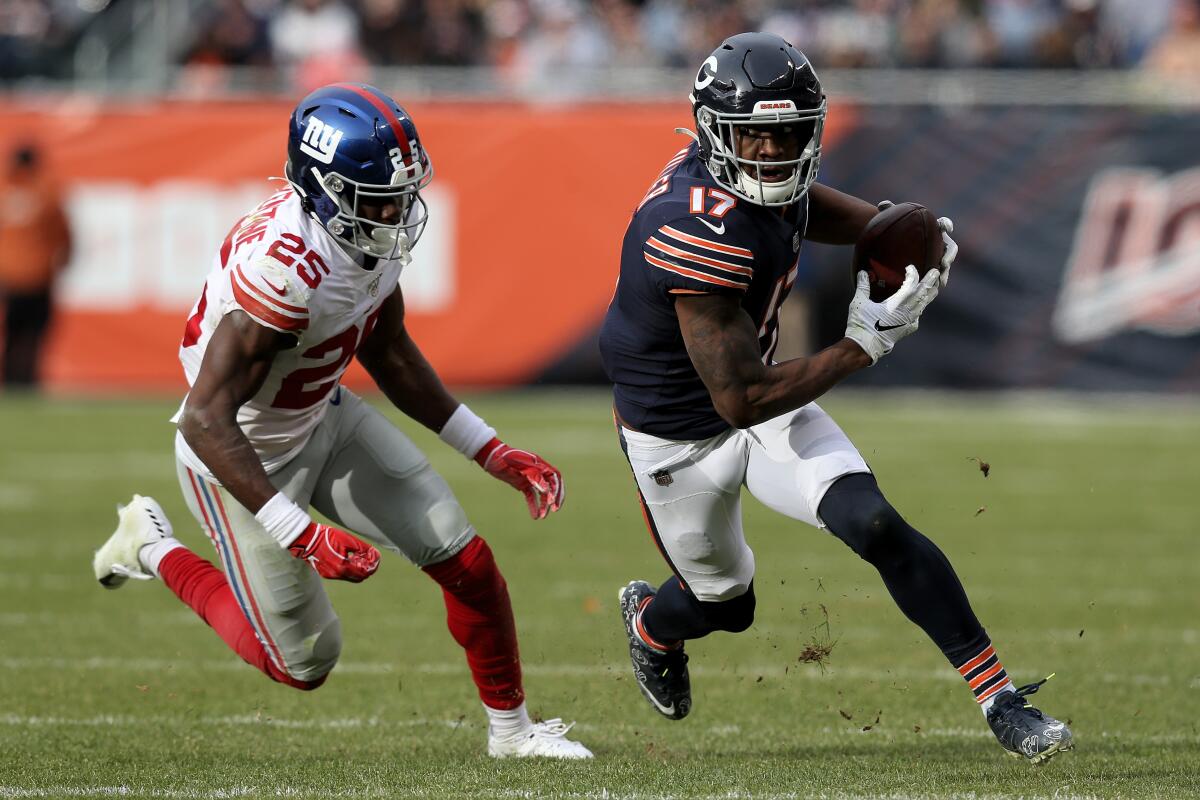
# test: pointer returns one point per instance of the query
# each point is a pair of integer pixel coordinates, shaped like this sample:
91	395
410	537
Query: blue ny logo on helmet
355	157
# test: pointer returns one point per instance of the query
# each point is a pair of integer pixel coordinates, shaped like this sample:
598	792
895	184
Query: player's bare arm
723	345
400	369
711	253
236	363
836	217
268	433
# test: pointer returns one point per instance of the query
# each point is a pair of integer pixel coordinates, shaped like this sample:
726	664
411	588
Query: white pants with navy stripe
365	475
691	490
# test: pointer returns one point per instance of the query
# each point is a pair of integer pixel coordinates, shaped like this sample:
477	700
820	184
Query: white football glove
951	248
947	228
876	327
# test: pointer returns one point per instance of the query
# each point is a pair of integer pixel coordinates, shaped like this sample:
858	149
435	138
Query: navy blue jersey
690	236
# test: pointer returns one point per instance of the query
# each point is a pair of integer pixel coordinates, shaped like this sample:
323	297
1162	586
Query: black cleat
662	676
1024	731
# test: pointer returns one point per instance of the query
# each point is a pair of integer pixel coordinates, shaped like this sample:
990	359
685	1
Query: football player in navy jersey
702	408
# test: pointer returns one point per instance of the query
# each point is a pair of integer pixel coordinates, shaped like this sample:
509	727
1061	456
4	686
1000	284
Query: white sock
151	555
504	723
986	704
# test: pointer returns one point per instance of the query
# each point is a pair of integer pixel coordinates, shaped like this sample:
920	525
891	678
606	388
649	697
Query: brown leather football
903	234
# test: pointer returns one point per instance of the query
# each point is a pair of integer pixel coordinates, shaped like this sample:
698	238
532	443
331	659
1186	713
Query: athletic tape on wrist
283	519
865	340
466	432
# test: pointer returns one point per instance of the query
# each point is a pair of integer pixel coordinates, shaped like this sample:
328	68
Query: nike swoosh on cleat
668	710
879	327
717	230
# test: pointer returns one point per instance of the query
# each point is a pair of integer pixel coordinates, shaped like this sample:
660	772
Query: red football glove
335	554
540	482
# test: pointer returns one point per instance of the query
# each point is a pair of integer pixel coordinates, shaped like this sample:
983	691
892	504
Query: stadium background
1068	165
1060	137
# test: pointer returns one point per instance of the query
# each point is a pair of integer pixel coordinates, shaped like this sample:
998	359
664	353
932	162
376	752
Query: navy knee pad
856	512
917	574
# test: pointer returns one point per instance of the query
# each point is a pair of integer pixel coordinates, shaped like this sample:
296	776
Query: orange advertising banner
528	207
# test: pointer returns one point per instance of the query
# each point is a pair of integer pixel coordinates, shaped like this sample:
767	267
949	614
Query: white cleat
142	522
540	740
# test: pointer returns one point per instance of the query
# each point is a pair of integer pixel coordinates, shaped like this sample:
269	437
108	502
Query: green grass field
1080	553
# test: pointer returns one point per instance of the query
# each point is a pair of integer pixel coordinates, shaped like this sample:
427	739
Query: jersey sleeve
265	290
699	254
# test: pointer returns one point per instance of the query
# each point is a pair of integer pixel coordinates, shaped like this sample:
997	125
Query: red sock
480	618
203	587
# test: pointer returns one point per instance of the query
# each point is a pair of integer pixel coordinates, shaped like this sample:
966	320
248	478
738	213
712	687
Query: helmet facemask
353	211
758	181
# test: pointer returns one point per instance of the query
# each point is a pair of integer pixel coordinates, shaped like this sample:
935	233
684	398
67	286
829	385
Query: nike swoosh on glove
527	472
876	327
335	554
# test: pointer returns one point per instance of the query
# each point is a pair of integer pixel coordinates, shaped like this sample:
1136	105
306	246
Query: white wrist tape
283	519
872	345
466	432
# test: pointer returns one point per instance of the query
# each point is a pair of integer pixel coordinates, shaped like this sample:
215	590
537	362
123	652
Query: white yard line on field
43	581
87	465
795	632
476	725
1167	595
230	721
16	498
773	633
175	794
743	671
485	794
603	794
86	621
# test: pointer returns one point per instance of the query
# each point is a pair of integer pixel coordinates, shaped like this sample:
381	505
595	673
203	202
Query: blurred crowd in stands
542	36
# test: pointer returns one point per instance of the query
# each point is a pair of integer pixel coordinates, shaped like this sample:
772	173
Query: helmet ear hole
324	207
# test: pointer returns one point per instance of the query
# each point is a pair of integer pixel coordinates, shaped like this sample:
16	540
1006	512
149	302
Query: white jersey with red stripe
280	266
691	236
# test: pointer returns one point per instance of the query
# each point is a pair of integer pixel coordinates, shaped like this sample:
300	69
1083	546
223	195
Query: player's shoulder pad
713	253
271	292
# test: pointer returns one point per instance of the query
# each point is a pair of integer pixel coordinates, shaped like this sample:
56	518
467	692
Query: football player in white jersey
301	286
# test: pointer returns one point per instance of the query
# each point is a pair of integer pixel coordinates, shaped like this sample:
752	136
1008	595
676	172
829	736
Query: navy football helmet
759	81
356	160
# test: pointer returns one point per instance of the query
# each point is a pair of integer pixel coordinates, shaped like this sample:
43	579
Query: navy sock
675	614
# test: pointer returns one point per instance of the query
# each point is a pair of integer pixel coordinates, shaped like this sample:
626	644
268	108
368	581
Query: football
903	234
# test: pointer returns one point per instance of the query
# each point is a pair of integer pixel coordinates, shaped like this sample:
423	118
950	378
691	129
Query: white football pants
691	490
